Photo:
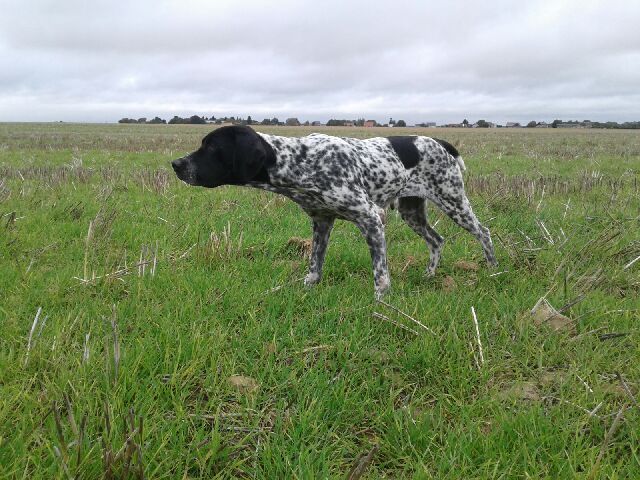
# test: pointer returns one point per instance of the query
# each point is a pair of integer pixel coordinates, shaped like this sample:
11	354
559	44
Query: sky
99	61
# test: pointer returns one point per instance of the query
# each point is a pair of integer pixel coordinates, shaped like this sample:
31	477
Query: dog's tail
453	151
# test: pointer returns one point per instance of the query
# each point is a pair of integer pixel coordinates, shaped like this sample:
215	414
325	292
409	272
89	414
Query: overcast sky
95	60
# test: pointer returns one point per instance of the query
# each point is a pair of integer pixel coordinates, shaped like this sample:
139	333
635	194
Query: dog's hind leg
458	208
413	212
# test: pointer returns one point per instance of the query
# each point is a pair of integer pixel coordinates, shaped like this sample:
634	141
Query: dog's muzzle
181	167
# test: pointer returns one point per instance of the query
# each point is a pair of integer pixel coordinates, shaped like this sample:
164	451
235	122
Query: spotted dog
351	179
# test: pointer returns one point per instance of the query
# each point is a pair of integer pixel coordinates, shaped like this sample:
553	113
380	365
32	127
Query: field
150	328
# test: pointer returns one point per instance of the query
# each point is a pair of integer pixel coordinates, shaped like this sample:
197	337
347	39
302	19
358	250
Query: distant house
292	122
348	124
542	125
370	123
513	125
316	123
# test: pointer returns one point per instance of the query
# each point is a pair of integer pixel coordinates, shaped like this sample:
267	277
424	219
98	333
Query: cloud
442	61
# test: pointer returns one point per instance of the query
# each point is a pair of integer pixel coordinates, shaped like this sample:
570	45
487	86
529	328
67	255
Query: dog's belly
317	203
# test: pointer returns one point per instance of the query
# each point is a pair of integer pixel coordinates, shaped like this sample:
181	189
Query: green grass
226	299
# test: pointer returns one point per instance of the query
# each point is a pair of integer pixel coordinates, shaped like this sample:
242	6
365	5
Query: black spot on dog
302	154
406	149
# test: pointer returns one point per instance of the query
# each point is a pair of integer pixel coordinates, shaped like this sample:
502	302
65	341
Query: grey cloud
420	60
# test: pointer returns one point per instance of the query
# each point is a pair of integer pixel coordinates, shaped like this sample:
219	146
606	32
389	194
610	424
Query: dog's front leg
372	228
322	227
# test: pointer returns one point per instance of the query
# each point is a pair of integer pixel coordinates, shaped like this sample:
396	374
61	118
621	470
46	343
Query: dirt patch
521	390
466	266
449	284
243	384
300	246
543	313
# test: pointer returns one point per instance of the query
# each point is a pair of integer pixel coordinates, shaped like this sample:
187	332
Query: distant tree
275	121
196	119
392	122
142	120
555	123
249	120
127	120
482	124
401	123
465	123
157	120
532	124
306	124
265	121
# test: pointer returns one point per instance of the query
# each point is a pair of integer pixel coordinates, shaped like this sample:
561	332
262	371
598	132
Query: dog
345	178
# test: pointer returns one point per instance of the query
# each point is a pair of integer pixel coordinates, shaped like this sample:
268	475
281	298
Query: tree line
196	119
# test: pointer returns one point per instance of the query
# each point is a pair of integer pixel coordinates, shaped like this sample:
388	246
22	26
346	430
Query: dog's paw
311	279
382	288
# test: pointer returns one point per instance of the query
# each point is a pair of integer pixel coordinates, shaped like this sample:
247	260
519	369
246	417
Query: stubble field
152	329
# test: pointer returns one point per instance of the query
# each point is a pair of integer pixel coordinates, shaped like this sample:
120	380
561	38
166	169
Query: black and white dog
333	177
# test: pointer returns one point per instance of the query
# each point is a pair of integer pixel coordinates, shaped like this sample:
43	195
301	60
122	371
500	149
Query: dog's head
232	155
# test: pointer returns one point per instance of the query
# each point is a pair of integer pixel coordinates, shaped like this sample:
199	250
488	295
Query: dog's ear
249	156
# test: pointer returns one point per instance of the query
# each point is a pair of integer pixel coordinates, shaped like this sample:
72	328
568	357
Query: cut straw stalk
85	272
399	325
475	322
395	309
628	265
33	327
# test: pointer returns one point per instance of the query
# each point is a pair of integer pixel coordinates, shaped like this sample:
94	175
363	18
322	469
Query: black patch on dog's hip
451	150
406	149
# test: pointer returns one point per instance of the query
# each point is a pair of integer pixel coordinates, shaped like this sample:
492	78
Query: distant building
292	122
370	123
316	123
513	125
542	125
348	124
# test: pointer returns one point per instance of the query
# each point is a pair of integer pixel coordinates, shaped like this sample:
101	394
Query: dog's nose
177	164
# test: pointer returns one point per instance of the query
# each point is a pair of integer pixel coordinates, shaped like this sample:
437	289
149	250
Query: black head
232	155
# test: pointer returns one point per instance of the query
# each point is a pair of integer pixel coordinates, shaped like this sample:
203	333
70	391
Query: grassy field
150	328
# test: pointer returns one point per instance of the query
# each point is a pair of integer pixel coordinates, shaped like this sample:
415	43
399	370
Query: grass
175	339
